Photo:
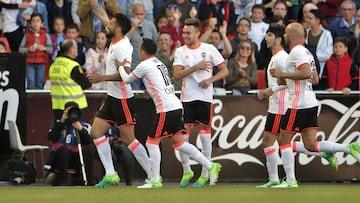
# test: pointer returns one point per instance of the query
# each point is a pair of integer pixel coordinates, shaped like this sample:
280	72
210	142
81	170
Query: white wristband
120	68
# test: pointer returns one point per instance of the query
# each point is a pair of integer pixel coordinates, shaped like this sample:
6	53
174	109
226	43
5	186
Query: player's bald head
296	29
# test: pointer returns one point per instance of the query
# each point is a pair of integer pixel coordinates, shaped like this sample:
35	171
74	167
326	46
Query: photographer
64	160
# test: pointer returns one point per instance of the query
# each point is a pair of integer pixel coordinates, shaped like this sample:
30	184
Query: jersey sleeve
127	78
177	58
299	58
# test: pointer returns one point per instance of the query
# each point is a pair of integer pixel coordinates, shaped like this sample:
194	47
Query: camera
74	114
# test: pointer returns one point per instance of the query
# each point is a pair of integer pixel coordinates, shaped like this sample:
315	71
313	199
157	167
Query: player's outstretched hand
260	94
94	78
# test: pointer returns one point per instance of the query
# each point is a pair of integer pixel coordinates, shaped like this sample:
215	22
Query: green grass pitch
222	193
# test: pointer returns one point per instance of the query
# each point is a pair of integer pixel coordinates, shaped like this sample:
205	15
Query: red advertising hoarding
237	126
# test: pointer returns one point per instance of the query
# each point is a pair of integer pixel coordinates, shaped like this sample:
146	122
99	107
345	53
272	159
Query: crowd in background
236	27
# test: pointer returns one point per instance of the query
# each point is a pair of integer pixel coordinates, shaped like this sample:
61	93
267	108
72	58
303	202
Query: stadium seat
261	84
6	42
19	148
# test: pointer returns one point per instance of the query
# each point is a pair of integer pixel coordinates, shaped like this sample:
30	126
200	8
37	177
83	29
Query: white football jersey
119	50
158	83
301	95
188	57
278	102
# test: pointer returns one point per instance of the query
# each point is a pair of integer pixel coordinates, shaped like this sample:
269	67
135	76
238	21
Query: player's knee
268	141
94	133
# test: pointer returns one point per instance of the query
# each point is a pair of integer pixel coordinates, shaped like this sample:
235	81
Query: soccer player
301	115
193	64
277	106
118	106
168	120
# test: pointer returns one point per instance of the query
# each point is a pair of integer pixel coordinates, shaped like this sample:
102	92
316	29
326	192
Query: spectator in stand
243	29
165	54
37	45
355	29
148	5
319	38
24	15
193	13
356	56
174	26
305	12
208	27
184	6
340	71
72	32
329	8
12	31
353	33
58	8
222	10
95	59
272	9
162	21
140	29
94	18
242	69
243	8
219	39
258	26
339	26
58	36
280	8
56	39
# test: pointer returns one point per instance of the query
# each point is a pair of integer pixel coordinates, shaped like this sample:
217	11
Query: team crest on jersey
203	55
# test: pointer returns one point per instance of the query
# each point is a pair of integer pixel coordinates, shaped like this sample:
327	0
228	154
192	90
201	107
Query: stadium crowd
237	28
